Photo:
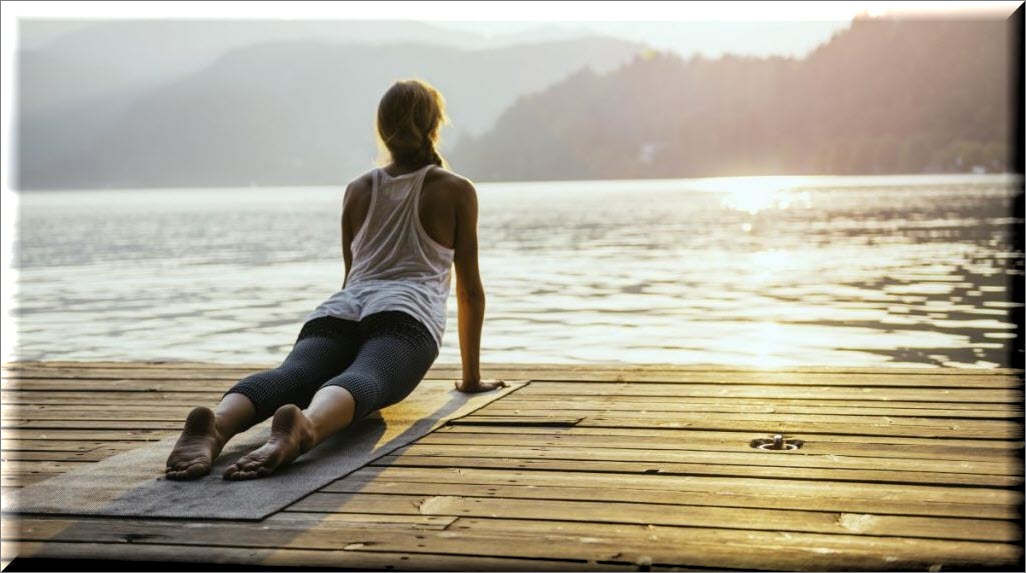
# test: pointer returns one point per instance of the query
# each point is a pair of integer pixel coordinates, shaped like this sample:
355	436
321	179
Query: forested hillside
882	96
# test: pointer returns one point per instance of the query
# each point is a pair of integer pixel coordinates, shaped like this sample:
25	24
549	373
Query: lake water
761	271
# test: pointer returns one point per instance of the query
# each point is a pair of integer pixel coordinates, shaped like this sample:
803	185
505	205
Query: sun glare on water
766	341
754	194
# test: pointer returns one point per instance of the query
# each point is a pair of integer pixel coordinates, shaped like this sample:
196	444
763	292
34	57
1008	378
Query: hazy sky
712	28
710	38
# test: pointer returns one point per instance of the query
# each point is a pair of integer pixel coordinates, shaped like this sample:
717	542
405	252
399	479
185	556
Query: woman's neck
402	168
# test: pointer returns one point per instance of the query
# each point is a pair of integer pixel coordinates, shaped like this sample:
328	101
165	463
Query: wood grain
587	467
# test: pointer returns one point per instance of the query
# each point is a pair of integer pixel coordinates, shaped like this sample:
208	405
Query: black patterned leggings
379	360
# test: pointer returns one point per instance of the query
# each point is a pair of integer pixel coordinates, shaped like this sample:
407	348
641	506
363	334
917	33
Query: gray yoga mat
133	484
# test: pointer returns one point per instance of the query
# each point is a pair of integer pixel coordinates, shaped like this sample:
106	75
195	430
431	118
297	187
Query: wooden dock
585	468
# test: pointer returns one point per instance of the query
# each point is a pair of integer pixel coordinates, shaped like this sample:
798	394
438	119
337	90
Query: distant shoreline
911	178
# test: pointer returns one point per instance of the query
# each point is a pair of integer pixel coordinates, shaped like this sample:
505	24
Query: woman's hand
474	386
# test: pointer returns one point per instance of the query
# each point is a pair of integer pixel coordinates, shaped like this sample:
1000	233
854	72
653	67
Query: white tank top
396	265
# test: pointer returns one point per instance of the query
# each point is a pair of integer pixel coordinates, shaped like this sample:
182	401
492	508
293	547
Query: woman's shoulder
359	189
363	180
441	177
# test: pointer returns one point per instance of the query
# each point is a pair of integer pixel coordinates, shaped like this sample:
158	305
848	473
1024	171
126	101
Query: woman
369	345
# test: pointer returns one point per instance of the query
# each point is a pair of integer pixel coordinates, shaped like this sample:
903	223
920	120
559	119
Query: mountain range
194	104
166	104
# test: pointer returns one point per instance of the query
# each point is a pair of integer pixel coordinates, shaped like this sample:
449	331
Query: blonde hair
409	117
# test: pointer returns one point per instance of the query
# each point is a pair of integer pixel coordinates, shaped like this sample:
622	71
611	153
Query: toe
184	472
254	464
196	470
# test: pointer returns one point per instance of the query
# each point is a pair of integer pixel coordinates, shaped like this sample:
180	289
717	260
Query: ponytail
431	154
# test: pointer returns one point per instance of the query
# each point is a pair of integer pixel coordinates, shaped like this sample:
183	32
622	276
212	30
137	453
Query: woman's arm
470	295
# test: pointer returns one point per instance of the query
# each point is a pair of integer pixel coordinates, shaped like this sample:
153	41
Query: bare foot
197	447
292	434
479	386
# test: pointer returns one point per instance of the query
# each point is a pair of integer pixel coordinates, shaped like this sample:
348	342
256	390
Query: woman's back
436	206
391	242
402	230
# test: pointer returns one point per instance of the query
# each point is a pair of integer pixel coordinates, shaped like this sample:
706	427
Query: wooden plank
968	379
563	401
107	398
880	476
956	393
142	375
182	401
166	414
706	441
605	511
750	458
784	487
571	399
102	415
562	540
51	456
292	558
132	432
1006	396
94	455
764	550
783	379
50	445
532	367
387	520
727	497
685	434
983	425
503	407
73	384
90	435
51	527
793	424
981	429
887	425
134	364
142	386
24	424
546	420
14	468
669	367
24	480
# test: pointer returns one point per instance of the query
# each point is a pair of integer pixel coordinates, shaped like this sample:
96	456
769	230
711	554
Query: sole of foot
291	435
197	447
